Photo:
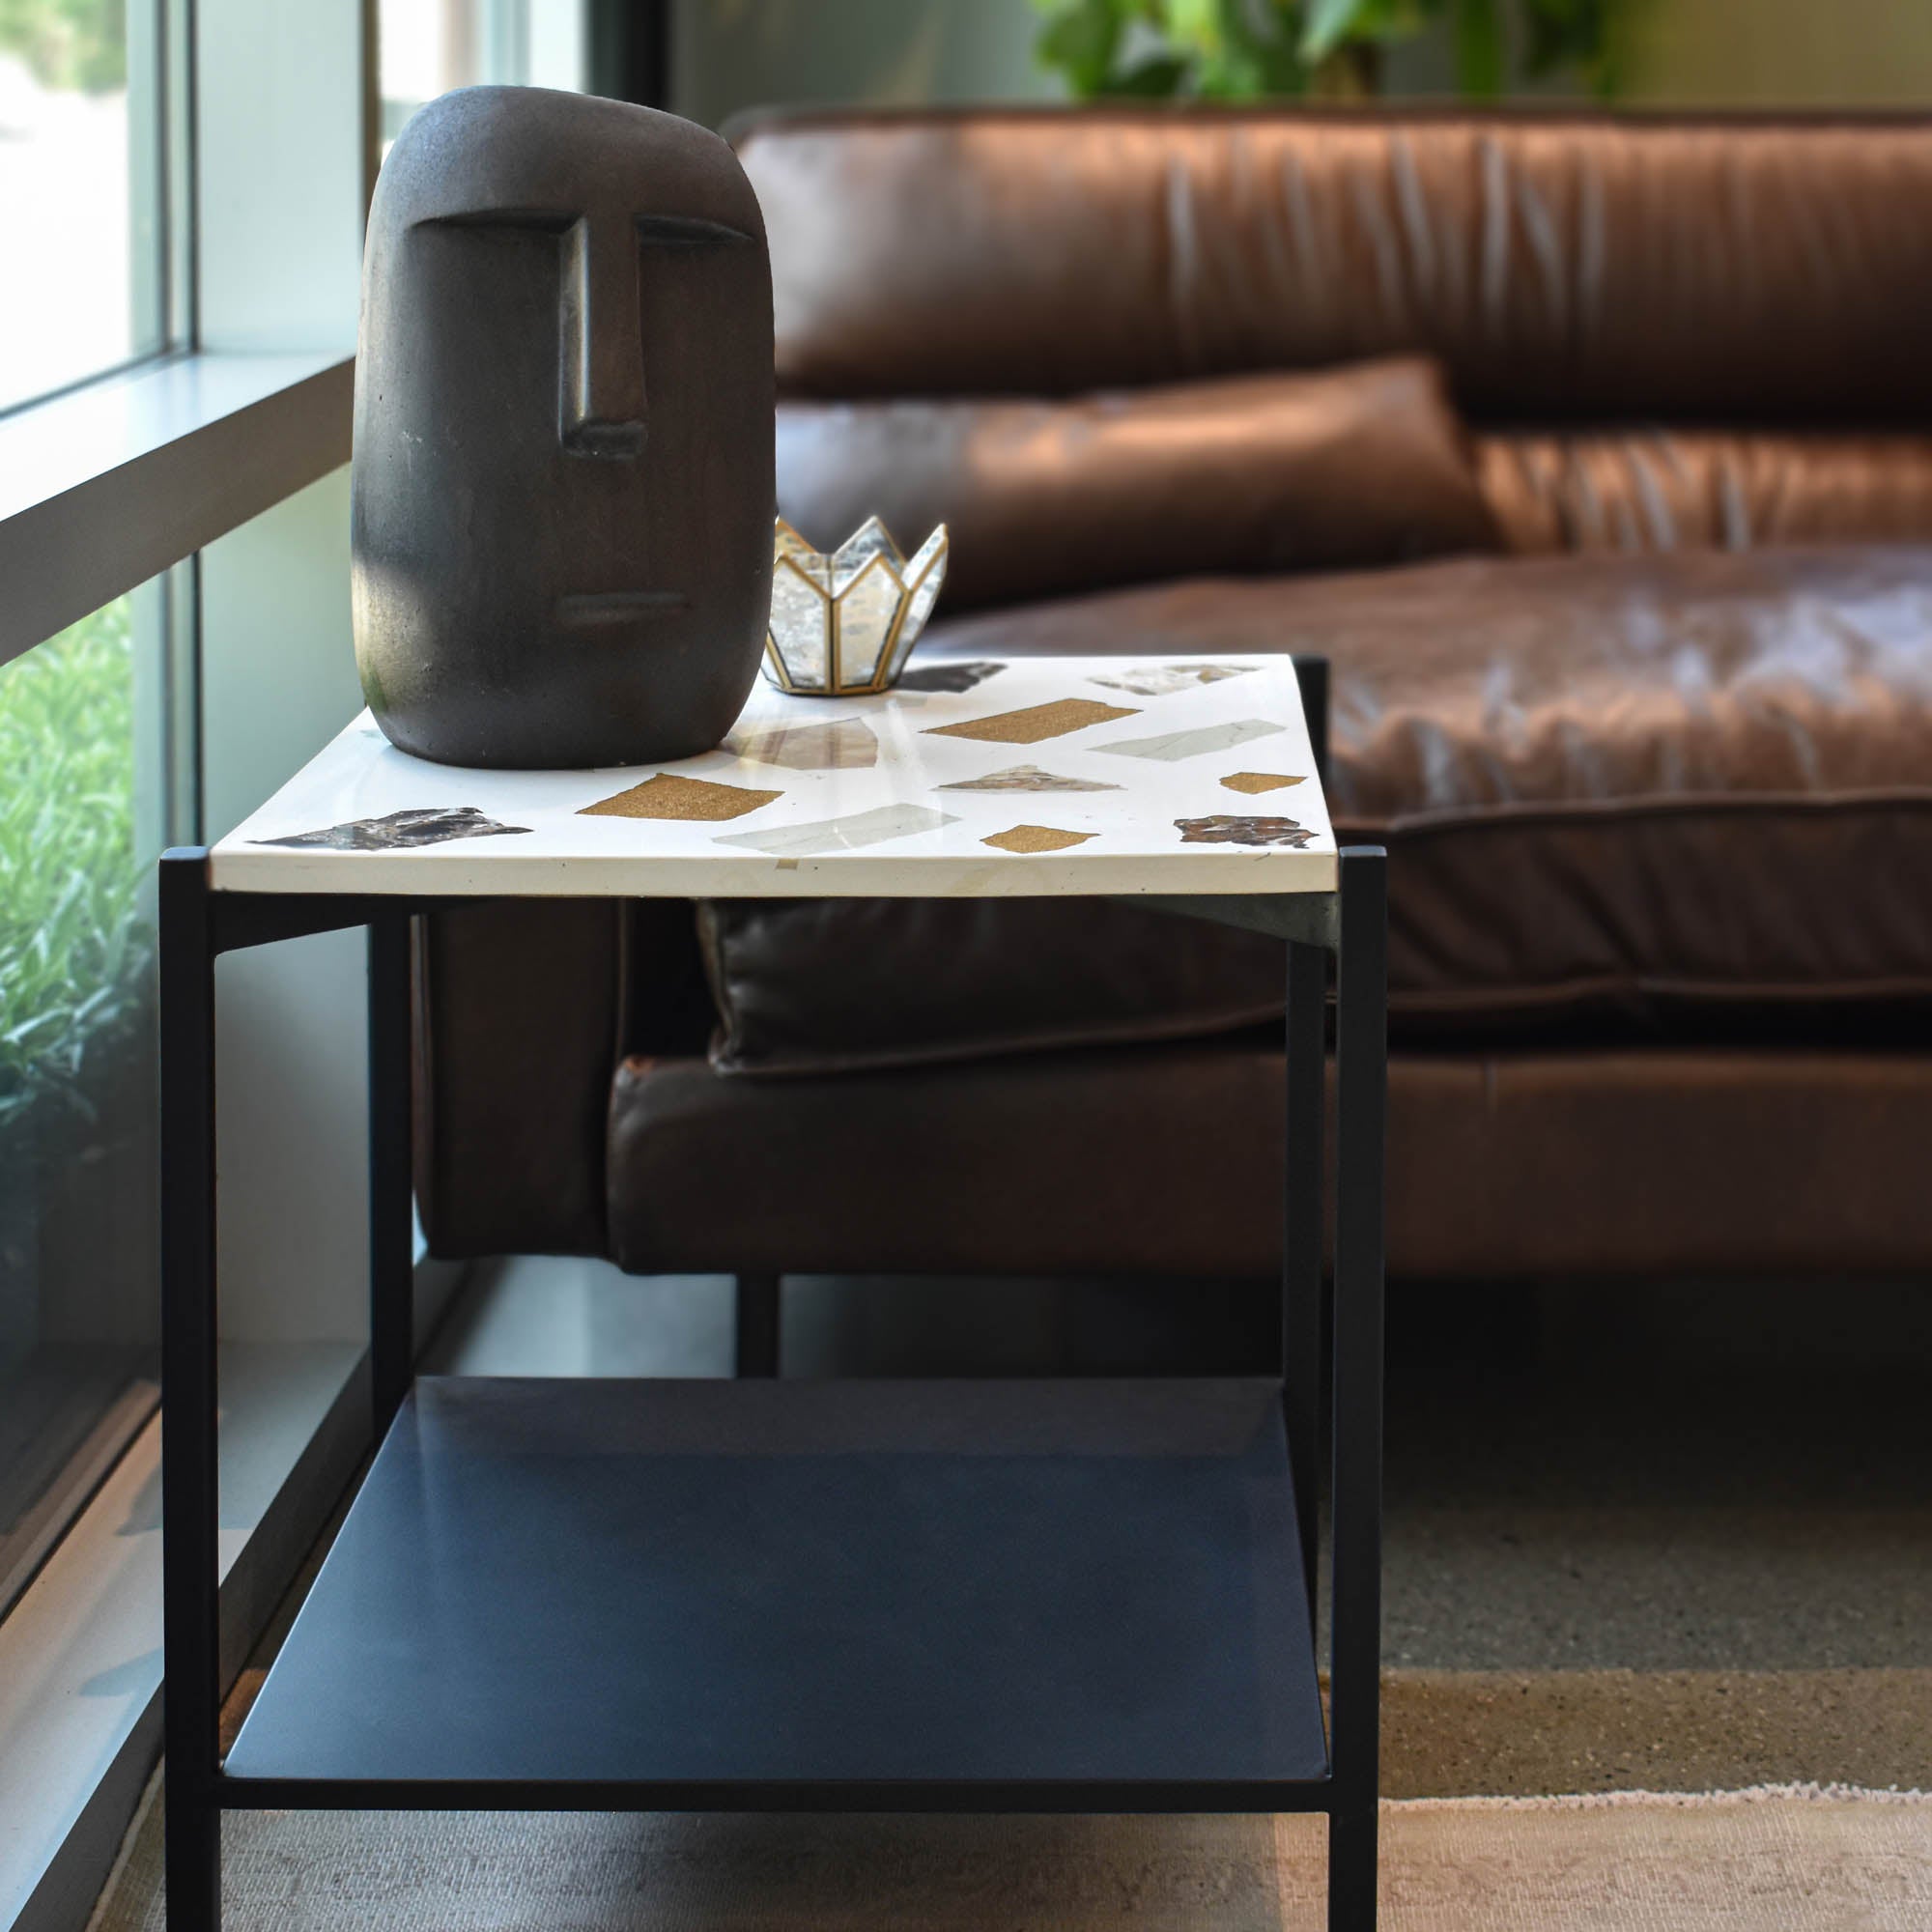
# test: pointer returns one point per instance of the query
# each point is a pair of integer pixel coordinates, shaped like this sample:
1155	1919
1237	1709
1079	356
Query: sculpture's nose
602	404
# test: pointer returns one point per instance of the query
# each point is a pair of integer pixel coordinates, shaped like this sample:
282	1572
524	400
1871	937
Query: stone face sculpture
562	488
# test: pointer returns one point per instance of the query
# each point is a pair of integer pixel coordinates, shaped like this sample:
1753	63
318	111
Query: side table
1085	1595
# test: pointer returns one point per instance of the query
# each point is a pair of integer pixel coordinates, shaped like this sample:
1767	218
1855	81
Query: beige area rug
1449	1732
1795	1859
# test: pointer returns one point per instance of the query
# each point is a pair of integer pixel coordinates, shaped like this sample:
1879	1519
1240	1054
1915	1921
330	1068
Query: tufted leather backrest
1563	267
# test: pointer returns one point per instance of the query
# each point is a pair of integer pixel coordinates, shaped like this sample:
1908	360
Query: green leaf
1577	33
1082	40
1386	21
1479	49
1264	40
1159	77
1562	31
1196	24
1254	26
1329	23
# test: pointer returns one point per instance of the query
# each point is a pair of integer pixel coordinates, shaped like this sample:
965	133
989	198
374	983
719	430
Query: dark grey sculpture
562	491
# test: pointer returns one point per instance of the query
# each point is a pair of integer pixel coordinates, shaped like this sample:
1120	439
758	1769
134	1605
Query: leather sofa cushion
1348	467
1563	266
1671	489
822	986
1653	796
1125	1162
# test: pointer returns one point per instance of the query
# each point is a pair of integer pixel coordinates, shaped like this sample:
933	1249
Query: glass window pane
80	130
83	742
428	46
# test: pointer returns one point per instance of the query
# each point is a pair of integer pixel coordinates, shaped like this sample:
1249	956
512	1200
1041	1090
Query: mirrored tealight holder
844	624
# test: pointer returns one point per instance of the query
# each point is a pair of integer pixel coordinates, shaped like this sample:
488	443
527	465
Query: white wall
1741	54
1775	53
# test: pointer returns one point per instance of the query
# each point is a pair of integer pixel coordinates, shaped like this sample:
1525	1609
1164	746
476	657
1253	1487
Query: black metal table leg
757	1326
196	925
1303	1244
1362	1080
190	1476
1311	675
391	1181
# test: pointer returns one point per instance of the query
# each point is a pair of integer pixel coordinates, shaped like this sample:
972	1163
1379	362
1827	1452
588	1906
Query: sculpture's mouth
618	607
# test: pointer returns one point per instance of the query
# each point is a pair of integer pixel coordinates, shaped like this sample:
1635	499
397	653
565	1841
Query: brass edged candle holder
843	624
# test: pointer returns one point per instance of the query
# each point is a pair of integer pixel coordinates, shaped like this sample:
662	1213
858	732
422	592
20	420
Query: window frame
267	159
160	153
108	484
115	482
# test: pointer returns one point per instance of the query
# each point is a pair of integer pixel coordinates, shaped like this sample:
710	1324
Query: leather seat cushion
1169	1161
1677	795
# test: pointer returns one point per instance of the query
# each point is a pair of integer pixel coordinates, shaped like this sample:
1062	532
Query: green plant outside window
69	43
83	736
74	950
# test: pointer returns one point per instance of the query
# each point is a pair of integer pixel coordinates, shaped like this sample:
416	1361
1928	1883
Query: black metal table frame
197	925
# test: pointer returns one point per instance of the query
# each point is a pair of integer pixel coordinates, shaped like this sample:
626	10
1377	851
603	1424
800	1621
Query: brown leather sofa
1595	456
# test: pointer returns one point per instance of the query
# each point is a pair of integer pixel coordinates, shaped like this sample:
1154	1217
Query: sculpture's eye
678	231
665	231
601	260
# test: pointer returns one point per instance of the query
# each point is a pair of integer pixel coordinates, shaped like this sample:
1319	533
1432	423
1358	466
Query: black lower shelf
704	1584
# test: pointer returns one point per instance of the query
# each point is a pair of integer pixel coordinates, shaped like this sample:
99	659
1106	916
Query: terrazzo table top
1051	775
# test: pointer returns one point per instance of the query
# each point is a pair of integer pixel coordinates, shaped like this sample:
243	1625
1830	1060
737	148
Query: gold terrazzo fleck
1037	839
669	796
1035	721
1252	781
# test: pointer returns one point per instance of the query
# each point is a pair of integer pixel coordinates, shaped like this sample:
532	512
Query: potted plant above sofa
1334	49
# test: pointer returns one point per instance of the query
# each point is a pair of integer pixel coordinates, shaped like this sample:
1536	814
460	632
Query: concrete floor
1672	1537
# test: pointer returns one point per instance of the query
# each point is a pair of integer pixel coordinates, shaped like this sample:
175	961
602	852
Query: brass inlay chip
1253	781
1037	839
670	796
1035	721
